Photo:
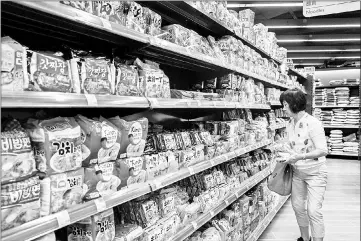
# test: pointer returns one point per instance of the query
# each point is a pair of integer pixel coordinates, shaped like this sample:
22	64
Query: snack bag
170	226
166	87
146	212
100	227
153	22
57	144
131	171
64	191
177	34
135	17
20	202
13	66
50	72
17	157
126	81
100	139
133	135
96	76
150	79
100	180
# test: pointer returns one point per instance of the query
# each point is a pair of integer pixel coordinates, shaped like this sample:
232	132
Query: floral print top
305	136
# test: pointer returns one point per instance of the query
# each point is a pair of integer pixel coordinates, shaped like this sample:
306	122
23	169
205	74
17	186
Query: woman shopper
307	141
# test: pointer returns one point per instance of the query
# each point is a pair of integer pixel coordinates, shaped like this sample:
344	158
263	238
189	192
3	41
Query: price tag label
91	99
106	24
157	184
189	103
212	213
191	171
153	102
199	103
212	162
214	104
237	194
227	202
100	204
195	225
63	218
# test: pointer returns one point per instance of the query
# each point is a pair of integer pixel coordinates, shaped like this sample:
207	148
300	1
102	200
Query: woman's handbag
281	179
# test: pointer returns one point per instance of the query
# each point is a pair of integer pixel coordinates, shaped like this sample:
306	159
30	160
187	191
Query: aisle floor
341	207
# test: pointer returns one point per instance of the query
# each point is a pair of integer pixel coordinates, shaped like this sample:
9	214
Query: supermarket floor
341	207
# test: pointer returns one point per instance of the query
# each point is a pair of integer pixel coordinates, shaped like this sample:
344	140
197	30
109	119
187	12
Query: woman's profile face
286	108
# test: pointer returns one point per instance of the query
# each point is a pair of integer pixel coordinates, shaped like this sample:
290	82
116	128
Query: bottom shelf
267	220
342	154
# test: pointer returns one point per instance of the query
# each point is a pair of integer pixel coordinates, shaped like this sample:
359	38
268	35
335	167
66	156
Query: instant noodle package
20	202
57	144
131	171
100	227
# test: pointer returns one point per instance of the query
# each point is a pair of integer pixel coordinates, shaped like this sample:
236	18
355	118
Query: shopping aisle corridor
341	207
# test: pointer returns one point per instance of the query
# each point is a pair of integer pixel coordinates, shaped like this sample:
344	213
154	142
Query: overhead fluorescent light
322	50
328	57
317	40
256	5
316	26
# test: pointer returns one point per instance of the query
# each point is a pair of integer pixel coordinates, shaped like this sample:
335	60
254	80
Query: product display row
338	144
338	117
339	96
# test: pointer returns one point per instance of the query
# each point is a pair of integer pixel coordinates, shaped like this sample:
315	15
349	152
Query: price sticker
91	99
106	24
153	102
212	213
199	103
191	171
212	162
214	104
227	202
157	184
63	218
189	103
237	194
100	204
195	225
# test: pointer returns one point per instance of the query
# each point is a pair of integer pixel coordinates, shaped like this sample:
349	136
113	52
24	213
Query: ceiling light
328	57
317	40
321	50
316	26
255	5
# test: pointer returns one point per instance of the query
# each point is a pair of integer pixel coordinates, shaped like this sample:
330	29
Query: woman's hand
293	159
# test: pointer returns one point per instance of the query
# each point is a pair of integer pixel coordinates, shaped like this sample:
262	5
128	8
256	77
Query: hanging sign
313	8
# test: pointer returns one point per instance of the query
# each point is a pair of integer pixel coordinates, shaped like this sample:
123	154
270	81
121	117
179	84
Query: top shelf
335	86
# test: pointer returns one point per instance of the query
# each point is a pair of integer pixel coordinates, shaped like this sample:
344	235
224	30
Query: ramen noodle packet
153	22
132	136
114	11
16	156
128	232
13	66
20	202
47	237
82	5
51	72
96	75
131	171
100	140
100	227
100	180
154	233
150	79
135	18
166	204
146	212
58	140
62	190
126	80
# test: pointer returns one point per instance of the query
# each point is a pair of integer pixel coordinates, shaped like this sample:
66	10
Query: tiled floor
341	207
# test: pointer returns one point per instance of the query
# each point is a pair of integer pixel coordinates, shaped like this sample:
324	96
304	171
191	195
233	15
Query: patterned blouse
305	136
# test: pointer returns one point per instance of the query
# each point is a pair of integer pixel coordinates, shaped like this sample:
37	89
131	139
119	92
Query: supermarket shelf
336	106
208	215
342	154
296	73
30	99
267	220
44	225
340	127
278	126
70	25
335	86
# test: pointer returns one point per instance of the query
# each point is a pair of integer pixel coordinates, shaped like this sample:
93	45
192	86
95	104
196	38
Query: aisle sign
312	8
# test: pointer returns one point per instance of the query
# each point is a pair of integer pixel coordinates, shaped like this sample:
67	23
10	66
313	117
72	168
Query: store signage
313	8
309	70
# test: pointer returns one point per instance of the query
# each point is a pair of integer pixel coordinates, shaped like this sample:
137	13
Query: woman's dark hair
295	98
103	139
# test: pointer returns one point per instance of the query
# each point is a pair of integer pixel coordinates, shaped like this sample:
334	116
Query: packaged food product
131	171
153	22
127	80
128	232
133	135
82	5
187	142
20	202
146	212
100	180
135	17
150	79
96	76
47	237
177	34
58	141
17	157
50	72
64	191
154	233
101	140
114	11
13	66
166	204
100	227
170	226
211	234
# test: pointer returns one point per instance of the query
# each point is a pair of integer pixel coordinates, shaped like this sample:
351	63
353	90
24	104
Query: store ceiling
333	41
